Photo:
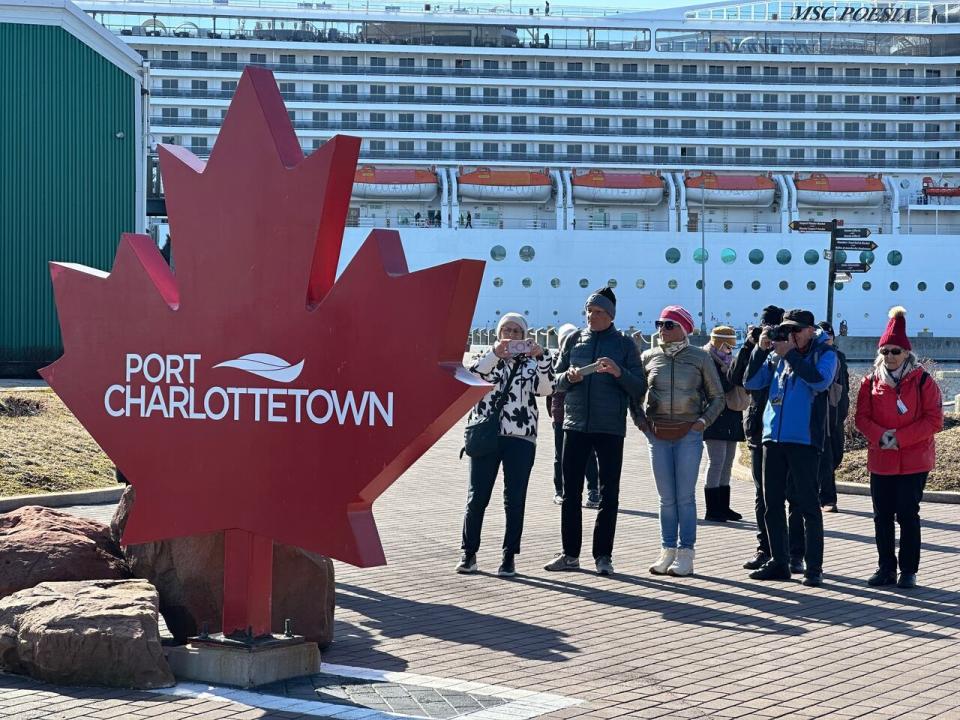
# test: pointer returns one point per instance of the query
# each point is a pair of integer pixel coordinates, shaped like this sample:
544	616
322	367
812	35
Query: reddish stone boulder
188	573
97	632
38	544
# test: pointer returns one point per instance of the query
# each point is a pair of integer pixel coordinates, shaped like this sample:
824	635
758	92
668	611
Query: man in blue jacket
595	419
794	430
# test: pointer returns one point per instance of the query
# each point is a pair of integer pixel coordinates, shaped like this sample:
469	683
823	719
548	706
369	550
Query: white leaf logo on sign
266	366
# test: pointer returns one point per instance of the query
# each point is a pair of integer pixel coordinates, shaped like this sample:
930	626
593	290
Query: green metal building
72	163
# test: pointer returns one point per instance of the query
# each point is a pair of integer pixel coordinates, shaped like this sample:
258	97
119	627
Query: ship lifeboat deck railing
160	121
944	227
475	224
398	99
577	75
638	226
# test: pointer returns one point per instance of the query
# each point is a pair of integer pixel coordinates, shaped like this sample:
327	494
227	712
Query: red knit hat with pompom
896	332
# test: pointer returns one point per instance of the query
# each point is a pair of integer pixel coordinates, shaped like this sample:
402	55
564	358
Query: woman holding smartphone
519	371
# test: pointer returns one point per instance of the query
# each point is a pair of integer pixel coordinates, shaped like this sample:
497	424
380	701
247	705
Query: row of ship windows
466	120
571	66
795	99
728	256
673	284
601	149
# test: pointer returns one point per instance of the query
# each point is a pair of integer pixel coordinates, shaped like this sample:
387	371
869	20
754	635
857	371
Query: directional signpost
841	238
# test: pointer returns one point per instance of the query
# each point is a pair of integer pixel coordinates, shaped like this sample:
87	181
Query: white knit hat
565	331
514	318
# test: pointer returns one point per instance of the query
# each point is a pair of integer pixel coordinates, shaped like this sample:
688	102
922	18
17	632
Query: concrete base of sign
240	667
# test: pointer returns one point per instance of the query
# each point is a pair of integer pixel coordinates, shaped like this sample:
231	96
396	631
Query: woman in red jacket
899	410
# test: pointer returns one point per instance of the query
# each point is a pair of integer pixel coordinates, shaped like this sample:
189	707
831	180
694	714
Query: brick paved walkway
714	646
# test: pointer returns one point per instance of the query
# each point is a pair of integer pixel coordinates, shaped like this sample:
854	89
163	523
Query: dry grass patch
43	448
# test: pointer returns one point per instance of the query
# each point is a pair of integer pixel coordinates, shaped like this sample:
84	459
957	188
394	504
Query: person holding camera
770	317
555	403
519	371
794	426
726	431
684	397
899	410
599	370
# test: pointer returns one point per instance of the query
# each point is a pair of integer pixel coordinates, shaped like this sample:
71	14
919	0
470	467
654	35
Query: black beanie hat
608	293
771	315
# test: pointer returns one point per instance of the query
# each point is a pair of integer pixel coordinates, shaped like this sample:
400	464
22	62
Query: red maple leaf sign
246	389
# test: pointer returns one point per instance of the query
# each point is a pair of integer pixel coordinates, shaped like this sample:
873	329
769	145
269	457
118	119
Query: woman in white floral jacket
516	447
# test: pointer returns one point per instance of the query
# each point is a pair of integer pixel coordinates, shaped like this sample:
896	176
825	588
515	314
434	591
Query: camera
755	334
518	347
781	333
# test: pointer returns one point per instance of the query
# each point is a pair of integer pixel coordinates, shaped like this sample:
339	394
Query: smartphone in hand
518	347
590	369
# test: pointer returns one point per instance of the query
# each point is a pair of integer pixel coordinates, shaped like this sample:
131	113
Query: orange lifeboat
708	188
840	190
508	185
374	183
931	190
617	187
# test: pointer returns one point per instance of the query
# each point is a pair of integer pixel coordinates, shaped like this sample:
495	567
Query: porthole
867	257
784	256
728	256
728	284
498	282
584	283
811	285
611	283
840	256
526	282
866	285
701	255
894	257
948	287
811	257
894	286
784	285
498	252
755	284
527	253
672	284
921	286
641	284
672	255
555	282
755	256
838	286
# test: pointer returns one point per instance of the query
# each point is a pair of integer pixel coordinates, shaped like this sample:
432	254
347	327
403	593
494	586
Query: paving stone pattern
717	645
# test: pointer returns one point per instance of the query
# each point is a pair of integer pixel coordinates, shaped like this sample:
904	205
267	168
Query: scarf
892	379
673	349
723	359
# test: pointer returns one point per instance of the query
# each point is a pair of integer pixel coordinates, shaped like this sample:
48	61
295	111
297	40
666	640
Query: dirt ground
43	448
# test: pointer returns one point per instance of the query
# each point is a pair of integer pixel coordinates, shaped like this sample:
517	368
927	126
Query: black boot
725	504
714	505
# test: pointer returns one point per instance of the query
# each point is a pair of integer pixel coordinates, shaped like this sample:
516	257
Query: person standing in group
899	410
519	372
684	397
599	370
753	423
794	425
726	431
564	332
839	400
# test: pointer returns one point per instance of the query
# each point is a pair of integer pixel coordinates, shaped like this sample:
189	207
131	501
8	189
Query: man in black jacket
839	408
595	418
753	425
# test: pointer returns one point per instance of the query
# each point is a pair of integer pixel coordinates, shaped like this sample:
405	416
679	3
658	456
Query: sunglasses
891	351
665	324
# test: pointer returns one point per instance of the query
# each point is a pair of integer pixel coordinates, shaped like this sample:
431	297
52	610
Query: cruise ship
663	153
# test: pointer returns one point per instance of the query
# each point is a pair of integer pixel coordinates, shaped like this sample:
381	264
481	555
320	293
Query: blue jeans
676	465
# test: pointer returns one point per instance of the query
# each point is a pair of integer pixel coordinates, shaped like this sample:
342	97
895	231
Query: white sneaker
667	556
683	565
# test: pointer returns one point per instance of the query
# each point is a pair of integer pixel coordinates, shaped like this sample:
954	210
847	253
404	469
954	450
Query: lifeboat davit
509	185
373	183
709	188
840	190
617	187
931	190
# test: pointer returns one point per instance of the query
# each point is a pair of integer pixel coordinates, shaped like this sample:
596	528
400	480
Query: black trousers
577	447
558	464
827	476
516	455
897	496
790	473
759	506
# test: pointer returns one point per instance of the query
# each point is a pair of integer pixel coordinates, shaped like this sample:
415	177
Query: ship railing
638	226
507	223
632	76
739	227
945	227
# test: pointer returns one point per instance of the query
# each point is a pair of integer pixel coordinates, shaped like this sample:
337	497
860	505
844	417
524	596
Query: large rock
188	573
38	545
96	632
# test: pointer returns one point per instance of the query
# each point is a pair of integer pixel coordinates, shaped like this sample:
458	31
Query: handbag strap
501	403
